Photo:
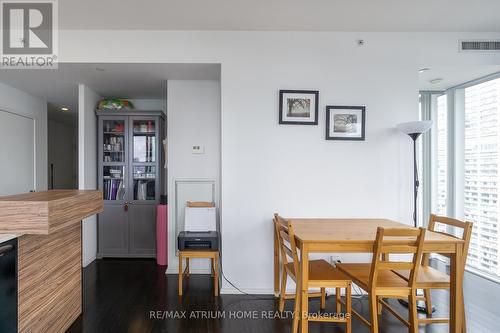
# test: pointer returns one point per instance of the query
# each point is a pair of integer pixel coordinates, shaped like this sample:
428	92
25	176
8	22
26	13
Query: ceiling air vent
480	45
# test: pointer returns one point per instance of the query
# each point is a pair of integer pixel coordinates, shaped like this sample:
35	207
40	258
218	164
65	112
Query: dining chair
378	279
321	275
431	278
285	273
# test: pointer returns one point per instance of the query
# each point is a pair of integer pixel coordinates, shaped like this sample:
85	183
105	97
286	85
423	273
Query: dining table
335	235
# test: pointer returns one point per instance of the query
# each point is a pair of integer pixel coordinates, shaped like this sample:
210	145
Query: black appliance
198	240
8	286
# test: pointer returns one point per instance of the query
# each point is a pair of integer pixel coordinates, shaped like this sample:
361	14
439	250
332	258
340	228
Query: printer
200	227
198	240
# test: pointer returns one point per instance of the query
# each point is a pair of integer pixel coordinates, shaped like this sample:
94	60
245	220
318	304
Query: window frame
455	149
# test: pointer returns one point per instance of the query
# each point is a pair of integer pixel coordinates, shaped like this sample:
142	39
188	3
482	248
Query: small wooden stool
213	255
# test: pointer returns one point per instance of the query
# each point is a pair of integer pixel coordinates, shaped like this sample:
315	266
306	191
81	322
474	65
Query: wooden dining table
358	236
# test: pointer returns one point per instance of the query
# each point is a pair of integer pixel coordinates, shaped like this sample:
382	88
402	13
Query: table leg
304	286
456	285
276	265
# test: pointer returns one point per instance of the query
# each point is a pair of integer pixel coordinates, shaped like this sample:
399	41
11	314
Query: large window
480	182
440	202
464	166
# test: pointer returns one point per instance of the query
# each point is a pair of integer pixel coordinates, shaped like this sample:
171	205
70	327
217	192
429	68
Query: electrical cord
254	297
358	297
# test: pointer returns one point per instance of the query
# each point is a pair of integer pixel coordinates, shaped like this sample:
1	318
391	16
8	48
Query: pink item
161	235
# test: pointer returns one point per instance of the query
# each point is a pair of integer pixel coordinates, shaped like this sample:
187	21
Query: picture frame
345	123
298	107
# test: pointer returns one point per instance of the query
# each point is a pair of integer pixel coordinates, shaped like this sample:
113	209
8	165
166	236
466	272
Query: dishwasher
8	286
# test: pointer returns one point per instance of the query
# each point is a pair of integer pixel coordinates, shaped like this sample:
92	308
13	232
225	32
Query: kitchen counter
49	275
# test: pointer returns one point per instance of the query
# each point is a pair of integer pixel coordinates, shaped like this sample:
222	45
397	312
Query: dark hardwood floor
136	296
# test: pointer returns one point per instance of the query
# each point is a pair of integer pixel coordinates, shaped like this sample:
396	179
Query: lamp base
420	305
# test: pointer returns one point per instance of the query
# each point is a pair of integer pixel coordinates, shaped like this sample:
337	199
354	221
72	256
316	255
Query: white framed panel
17	150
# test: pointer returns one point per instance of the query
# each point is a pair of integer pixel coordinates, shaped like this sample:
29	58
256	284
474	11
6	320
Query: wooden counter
49	254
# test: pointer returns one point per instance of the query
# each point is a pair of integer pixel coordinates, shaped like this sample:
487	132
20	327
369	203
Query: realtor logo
29	38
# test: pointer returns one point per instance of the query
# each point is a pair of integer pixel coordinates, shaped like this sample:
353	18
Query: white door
17	154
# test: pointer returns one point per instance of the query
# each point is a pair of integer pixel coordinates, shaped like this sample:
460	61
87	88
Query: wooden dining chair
430	278
321	275
378	278
284	267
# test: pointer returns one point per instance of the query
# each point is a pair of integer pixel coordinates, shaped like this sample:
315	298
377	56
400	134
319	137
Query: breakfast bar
48	229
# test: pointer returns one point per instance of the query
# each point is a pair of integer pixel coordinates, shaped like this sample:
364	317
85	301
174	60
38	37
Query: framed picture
299	107
345	123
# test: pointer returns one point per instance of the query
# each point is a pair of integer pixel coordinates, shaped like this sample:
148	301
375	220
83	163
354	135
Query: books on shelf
113	189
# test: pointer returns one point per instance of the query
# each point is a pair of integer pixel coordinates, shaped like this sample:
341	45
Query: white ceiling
135	81
453	76
308	15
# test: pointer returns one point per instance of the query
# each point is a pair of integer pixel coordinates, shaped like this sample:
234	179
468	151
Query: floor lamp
414	129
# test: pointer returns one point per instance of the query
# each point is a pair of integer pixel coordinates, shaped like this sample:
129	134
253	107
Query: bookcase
131	175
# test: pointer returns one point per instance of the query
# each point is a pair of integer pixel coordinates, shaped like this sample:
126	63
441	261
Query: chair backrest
450	223
404	241
286	240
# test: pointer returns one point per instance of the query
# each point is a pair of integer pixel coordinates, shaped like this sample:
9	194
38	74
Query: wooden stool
213	255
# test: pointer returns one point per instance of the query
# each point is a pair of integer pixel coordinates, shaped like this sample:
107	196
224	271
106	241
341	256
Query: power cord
358	297
254	297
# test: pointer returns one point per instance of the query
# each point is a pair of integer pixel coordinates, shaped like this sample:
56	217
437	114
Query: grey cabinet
113	231
132	177
142	233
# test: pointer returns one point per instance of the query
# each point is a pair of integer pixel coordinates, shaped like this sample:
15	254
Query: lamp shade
415	127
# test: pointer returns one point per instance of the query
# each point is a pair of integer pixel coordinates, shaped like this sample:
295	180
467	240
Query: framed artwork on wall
298	107
345	123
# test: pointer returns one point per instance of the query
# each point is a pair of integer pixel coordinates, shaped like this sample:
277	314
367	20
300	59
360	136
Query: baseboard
229	290
88	261
175	270
252	291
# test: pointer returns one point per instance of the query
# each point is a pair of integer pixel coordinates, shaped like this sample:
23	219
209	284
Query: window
440	206
464	171
480	180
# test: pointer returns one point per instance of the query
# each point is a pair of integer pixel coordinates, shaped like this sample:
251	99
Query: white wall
266	167
150	104
21	103
62	150
193	118
87	164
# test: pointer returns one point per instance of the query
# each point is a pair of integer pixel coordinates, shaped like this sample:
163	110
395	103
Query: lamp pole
416	182
414	129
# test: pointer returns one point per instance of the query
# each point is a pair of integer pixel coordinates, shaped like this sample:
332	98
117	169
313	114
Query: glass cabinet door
144	141
144	158
113	133
144	182
114	158
113	182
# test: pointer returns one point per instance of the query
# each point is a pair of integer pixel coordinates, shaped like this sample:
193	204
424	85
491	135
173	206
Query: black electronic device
198	240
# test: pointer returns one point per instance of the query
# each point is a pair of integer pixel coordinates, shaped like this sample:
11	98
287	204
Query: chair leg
180	275
348	310
379	306
216	275
412	312
322	304
464	324
296	309
374	312
338	305
284	277
428	301
187	267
